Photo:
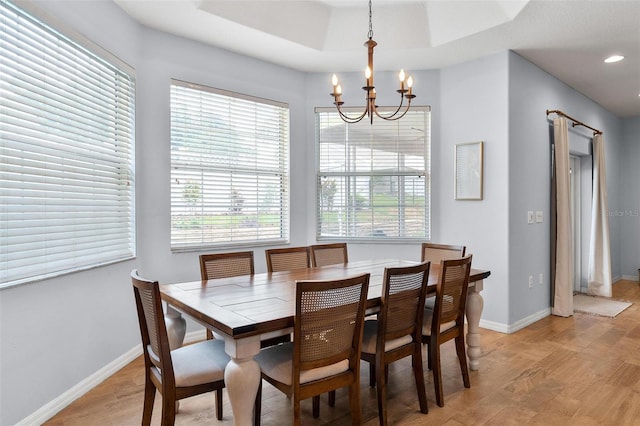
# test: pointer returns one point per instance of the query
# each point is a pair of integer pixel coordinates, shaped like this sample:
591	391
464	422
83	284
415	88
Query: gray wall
531	92
56	333
475	108
628	213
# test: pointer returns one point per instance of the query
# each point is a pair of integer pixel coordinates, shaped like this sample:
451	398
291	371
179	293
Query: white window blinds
229	168
66	153
373	180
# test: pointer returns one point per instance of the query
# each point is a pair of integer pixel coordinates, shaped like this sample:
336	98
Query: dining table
244	310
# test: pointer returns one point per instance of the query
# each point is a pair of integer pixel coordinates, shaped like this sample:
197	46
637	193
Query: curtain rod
574	121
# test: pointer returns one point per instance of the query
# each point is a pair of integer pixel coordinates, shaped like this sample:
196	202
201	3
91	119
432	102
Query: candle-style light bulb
401	77
410	82
339	89
334	80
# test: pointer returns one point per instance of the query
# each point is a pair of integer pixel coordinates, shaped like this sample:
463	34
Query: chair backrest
403	295
451	292
436	253
155	343
329	254
223	265
328	323
287	259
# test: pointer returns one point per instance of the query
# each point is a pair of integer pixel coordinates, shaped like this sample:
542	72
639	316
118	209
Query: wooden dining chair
180	373
287	259
446	321
436	253
329	254
224	265
325	352
397	332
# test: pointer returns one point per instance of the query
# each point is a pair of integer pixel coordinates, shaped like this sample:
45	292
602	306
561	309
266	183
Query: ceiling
568	39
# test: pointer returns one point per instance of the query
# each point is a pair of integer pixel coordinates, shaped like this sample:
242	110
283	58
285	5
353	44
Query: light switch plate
539	216
529	217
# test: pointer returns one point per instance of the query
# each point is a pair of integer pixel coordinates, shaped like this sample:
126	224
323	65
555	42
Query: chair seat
370	337
277	363
426	323
199	363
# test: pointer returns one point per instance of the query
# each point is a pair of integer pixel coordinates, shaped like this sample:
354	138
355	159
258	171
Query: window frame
45	176
426	174
265	169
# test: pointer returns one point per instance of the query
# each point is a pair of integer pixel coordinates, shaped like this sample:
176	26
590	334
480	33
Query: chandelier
371	108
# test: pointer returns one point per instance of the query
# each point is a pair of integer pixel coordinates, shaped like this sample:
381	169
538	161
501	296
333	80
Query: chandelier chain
371	108
370	22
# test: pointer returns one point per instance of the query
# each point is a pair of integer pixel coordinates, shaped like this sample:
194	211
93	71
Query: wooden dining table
246	309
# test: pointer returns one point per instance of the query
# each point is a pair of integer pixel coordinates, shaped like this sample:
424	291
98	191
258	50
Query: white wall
56	333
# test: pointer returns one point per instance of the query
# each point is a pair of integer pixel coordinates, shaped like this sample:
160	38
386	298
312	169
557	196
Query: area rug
598	305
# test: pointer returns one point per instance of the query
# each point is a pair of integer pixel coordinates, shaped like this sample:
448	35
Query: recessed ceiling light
614	58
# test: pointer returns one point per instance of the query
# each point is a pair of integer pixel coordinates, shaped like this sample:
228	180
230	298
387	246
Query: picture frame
469	163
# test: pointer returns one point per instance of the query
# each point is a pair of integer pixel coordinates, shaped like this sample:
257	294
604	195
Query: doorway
576	213
580	182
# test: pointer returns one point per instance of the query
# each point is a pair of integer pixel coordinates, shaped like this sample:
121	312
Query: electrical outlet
540	278
530	281
539	216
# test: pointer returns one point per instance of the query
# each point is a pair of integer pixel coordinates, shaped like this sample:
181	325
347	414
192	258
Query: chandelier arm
393	117
349	119
390	116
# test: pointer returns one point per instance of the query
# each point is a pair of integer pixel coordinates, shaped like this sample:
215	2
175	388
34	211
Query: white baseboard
518	325
630	277
52	408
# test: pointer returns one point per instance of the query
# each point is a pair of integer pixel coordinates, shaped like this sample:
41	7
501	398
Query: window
66	153
373	180
229	168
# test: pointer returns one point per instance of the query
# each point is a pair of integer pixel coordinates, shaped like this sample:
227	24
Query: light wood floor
583	370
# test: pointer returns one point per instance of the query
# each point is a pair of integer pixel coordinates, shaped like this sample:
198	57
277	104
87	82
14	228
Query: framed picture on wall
468	171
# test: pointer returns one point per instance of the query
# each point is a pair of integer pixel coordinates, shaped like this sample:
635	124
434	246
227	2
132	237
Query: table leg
474	312
242	378
176	327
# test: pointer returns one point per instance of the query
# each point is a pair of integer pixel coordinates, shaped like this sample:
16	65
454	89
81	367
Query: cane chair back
436	253
329	254
224	265
287	259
